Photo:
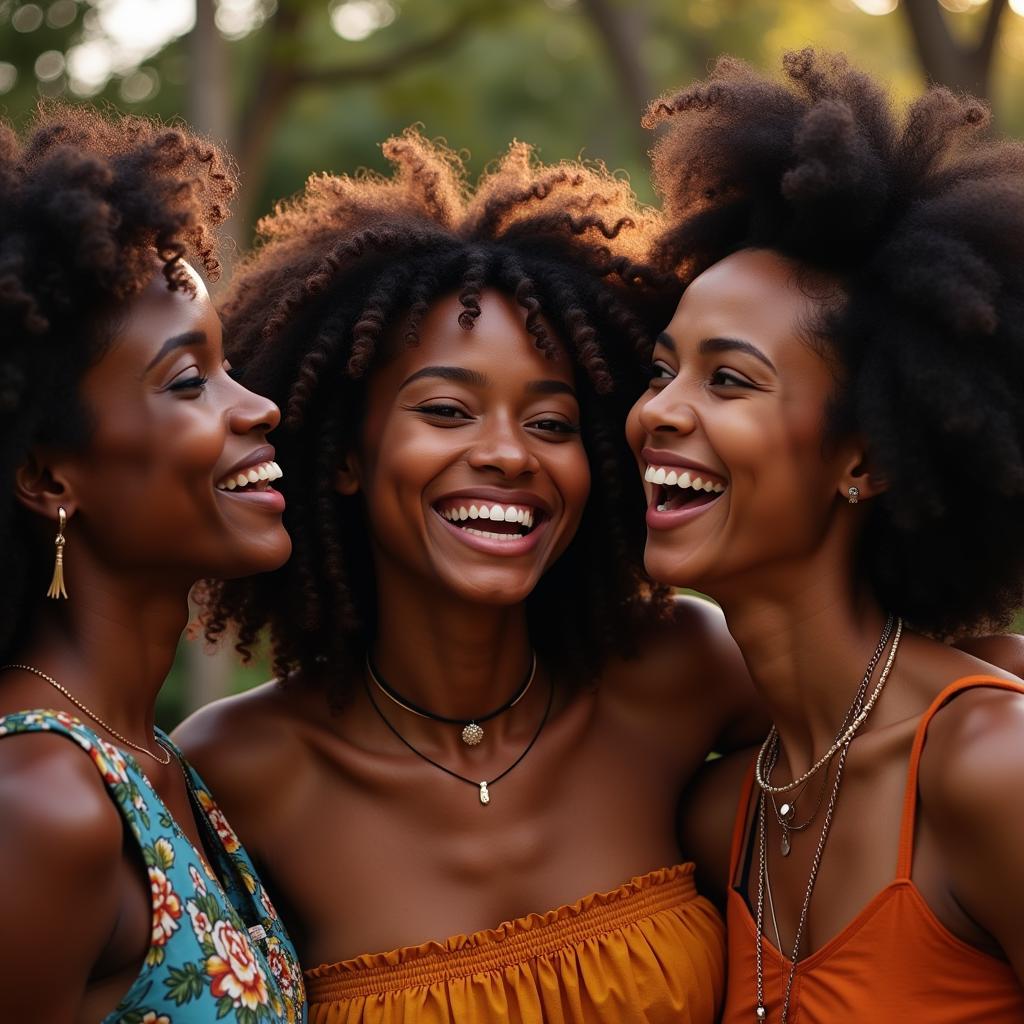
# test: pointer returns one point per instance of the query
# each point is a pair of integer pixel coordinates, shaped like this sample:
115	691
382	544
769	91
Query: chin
266	557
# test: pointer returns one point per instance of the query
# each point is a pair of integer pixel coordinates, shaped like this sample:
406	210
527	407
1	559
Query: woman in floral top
134	465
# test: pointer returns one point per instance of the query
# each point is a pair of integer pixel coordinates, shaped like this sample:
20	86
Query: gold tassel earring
57	590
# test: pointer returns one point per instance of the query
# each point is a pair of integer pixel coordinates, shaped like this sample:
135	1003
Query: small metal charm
786	811
472	734
784	843
761	1013
485	797
854	495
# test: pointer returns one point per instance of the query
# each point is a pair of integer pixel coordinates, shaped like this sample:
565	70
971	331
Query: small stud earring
854	493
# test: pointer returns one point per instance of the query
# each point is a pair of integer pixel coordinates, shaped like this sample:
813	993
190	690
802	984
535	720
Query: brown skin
145	522
366	847
777	551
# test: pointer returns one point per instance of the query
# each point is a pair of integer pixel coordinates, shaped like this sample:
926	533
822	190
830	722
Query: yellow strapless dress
650	952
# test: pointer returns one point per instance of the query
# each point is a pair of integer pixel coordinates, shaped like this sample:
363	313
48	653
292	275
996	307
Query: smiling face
730	434
158	487
470	461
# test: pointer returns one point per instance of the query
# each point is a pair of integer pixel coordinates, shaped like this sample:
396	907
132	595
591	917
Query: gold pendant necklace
96	718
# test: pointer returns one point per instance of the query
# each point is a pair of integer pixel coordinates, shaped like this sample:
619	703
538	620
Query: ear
42	485
347	476
858	482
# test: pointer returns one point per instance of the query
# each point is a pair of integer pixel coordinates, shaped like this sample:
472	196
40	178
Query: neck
111	645
807	644
454	658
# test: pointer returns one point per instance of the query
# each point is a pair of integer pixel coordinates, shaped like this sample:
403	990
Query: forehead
498	345
754	293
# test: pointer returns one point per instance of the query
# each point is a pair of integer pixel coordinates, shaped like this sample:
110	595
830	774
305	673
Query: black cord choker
472	733
483	786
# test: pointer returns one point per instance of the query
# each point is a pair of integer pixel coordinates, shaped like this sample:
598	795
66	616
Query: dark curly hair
91	206
918	216
348	270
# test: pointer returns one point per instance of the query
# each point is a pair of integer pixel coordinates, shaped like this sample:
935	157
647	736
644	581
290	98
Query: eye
443	411
723	378
189	380
561	428
659	374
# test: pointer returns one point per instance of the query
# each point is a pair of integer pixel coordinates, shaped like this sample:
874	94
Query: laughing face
730	434
176	478
470	461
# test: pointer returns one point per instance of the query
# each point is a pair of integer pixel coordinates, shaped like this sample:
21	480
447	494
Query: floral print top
218	950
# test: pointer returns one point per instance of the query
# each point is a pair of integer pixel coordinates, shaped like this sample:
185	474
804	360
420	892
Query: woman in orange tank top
455	830
845	369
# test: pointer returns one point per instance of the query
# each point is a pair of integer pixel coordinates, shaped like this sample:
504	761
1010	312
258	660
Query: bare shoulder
689	663
60	870
707	816
242	745
975	749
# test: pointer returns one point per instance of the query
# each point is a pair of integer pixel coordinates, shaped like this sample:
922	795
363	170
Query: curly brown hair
350	268
90	206
919	216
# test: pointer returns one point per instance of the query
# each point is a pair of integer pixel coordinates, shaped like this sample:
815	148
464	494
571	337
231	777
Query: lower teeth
493	536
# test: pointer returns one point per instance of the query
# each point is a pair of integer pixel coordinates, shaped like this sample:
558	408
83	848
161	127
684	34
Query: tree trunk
944	59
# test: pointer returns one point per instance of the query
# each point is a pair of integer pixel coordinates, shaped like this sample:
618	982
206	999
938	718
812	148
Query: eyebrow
178	341
462	375
734	345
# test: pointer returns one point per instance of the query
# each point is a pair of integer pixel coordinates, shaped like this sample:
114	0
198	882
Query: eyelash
453	412
718	378
197	383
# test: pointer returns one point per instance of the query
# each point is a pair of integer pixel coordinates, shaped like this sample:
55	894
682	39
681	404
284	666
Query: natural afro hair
91	206
345	273
918	215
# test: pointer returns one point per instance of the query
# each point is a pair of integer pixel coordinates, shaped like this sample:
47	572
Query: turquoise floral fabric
218	951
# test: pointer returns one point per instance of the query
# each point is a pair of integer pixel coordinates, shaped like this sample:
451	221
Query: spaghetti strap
905	861
740	825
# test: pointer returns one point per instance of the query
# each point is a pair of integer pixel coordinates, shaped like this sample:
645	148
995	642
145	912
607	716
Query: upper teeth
268	471
672	478
496	513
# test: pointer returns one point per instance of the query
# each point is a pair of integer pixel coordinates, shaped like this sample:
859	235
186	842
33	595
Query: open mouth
675	490
254	478
492	520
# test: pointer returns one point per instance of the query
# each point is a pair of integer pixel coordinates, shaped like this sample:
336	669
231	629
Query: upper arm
971	791
61	847
707	817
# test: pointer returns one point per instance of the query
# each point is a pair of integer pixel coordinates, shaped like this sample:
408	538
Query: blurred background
295	86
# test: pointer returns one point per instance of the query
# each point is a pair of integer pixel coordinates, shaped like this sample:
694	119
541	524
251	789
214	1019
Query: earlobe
43	488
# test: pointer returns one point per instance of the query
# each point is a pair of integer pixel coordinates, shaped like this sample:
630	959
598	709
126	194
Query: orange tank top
894	962
650	952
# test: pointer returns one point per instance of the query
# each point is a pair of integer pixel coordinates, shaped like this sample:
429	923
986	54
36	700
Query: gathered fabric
894	962
650	952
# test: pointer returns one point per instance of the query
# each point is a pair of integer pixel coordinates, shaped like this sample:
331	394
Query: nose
252	412
502	446
667	411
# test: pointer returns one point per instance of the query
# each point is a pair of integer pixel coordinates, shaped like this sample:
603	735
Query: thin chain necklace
472	733
96	718
842	738
786	814
761	1012
482	787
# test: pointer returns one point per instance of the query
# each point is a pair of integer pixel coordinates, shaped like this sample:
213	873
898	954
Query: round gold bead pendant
472	734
